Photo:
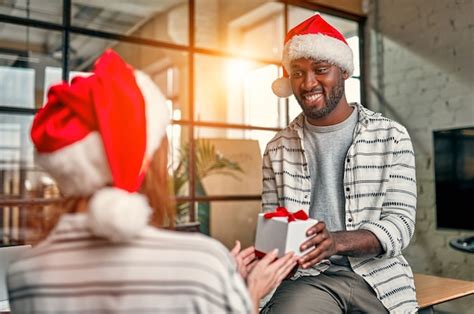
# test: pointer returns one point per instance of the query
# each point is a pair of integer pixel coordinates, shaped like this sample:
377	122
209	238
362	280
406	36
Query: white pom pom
282	87
117	214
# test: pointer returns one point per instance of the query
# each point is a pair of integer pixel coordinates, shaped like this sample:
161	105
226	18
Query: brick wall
420	73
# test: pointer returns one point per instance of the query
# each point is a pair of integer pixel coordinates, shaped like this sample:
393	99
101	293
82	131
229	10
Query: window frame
67	29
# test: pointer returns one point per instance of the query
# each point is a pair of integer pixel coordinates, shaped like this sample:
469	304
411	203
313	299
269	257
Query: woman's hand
244	259
262	276
268	273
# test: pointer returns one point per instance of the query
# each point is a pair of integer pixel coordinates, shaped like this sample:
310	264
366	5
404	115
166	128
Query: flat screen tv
454	177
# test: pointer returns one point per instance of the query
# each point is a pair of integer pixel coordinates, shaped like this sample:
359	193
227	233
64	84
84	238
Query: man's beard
330	101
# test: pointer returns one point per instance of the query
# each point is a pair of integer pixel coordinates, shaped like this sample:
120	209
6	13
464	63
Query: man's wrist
338	244
357	243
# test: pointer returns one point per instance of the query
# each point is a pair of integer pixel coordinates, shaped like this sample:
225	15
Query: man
351	169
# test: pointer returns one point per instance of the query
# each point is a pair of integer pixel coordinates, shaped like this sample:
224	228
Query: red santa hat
316	39
95	137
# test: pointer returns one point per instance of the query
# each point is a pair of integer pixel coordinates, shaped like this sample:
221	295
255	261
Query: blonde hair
155	187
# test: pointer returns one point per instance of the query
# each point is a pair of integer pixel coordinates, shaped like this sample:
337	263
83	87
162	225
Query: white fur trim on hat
319	47
79	169
282	87
117	214
157	113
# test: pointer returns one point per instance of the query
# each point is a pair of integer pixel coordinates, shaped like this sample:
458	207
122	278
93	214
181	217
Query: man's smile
313	97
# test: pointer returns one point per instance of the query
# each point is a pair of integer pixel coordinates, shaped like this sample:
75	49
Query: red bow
283	212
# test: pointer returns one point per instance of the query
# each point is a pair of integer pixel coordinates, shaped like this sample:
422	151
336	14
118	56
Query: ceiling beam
356	7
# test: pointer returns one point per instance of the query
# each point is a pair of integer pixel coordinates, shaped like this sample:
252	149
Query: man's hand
358	243
244	259
324	244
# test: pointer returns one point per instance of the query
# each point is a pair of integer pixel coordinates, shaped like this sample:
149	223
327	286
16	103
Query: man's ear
345	75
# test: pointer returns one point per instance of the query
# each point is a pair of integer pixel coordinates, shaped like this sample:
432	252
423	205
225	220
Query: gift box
282	230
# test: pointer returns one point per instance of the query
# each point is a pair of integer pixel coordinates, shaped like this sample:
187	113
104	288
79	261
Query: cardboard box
278	233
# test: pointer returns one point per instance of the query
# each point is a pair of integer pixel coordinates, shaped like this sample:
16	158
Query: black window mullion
66	39
362	77
17	110
192	148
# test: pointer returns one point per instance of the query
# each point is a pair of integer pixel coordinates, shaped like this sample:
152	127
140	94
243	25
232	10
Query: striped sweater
380	196
158	272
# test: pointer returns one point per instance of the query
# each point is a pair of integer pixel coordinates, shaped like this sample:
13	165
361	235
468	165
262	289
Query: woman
100	139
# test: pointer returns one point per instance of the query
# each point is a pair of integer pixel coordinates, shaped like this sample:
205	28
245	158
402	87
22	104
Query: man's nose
310	81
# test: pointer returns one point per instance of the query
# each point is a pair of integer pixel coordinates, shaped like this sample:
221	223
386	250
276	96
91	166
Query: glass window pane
236	91
19	177
25	53
229	161
232	220
294	108
354	44
262	137
249	27
297	15
353	90
178	157
178	169
228	167
182	218
164	20
44	10
167	67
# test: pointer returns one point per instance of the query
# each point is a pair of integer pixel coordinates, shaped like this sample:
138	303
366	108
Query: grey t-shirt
325	149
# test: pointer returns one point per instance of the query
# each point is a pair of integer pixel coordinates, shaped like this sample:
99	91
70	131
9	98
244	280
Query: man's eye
321	70
296	74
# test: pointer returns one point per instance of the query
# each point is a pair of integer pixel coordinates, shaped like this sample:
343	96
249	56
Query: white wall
420	57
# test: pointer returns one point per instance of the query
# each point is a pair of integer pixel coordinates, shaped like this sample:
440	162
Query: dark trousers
329	292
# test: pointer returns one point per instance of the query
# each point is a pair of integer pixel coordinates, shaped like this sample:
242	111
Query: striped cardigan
159	271
380	196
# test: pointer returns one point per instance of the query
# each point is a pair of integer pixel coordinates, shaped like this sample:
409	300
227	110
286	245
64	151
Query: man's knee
300	297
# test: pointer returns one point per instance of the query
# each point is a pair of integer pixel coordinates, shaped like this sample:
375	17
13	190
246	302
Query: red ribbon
283	212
